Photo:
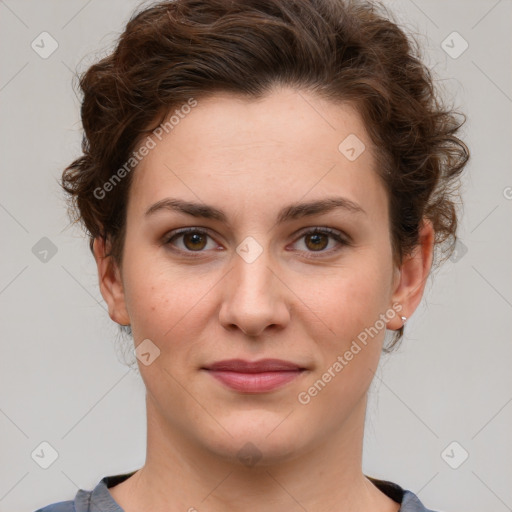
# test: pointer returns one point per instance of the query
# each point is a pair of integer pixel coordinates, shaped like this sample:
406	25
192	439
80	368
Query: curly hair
342	50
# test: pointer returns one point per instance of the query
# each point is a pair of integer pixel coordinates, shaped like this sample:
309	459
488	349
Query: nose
255	297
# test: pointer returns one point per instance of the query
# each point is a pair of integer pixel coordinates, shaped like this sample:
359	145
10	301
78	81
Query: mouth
254	376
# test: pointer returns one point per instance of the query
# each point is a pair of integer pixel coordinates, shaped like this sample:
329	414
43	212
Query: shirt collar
100	499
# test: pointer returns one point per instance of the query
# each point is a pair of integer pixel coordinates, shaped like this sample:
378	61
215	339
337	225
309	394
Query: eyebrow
288	213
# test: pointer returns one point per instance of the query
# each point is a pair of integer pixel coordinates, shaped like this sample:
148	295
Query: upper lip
263	365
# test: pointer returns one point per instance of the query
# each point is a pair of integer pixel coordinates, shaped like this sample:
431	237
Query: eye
192	240
317	240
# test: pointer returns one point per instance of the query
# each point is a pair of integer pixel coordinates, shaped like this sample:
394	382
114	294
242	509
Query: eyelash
336	235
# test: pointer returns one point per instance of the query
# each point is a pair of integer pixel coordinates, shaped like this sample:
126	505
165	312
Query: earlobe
111	285
413	275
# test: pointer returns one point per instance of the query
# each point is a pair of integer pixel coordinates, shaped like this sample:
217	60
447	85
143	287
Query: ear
411	278
111	285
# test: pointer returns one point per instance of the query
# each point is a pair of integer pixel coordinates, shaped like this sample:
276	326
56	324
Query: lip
254	376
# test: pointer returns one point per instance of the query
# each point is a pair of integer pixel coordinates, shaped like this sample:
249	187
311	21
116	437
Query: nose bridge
254	298
252	272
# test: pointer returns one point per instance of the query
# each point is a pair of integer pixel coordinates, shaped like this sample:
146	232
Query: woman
266	186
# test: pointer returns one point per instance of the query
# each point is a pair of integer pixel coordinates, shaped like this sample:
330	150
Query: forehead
278	148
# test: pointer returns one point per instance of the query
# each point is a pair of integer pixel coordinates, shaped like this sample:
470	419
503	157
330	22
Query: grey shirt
100	499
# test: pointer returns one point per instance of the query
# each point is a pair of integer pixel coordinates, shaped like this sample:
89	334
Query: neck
180	475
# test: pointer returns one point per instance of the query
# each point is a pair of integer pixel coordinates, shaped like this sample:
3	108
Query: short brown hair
341	50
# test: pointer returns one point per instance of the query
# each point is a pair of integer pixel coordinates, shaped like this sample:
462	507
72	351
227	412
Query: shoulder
61	506
96	499
408	501
81	503
411	503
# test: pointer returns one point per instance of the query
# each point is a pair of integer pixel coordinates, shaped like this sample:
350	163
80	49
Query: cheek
168	307
348	358
353	297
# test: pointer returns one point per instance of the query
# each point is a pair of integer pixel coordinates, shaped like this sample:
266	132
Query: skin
249	159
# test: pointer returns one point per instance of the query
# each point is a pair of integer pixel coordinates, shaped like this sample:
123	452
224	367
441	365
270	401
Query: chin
257	438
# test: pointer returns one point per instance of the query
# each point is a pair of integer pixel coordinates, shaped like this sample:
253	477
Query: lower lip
255	382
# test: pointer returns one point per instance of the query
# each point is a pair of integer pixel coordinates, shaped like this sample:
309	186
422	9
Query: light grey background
63	376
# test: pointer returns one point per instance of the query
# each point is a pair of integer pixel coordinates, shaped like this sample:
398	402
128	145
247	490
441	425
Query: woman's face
255	283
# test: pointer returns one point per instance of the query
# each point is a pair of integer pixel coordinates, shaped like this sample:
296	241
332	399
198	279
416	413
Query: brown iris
319	240
194	241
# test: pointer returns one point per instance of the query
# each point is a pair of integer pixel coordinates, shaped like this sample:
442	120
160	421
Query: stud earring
404	319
